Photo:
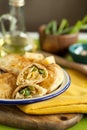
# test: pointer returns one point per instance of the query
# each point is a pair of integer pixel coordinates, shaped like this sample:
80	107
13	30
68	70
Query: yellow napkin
73	100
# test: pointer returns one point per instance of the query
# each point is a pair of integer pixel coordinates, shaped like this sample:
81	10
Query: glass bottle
16	39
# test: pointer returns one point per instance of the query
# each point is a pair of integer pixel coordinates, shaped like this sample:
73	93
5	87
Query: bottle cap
17	2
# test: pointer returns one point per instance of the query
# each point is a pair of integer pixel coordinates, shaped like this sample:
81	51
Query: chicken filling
41	71
33	74
26	92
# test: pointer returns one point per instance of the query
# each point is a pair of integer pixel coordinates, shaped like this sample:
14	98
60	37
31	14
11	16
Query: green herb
51	27
64	28
63	25
41	71
76	27
25	91
34	68
22	91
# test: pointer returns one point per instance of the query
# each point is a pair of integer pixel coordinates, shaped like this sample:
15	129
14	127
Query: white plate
58	91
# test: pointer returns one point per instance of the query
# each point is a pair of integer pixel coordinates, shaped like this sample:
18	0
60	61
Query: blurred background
39	12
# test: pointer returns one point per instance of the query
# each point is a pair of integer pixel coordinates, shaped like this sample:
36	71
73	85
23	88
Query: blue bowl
78	52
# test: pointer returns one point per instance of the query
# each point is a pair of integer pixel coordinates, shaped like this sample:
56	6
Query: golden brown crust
38	91
27	75
34	57
7	85
13	63
46	76
54	79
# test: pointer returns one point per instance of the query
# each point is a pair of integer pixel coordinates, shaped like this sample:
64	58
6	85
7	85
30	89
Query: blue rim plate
58	91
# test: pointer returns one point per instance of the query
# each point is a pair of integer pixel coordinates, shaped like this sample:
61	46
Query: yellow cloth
73	100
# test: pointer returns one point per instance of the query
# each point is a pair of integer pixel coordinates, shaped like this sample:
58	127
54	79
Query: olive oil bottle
16	39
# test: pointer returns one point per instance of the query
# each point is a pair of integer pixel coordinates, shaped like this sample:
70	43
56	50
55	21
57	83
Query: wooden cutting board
12	116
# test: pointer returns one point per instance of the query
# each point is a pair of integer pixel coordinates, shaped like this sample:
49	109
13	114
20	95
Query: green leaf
63	25
84	20
51	28
76	27
34	68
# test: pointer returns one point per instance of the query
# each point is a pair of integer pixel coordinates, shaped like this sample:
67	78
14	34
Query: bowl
56	43
78	52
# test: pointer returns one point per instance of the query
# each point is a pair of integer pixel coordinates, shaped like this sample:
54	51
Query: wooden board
12	116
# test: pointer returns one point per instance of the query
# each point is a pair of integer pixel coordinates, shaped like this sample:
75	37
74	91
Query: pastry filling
40	71
33	74
26	92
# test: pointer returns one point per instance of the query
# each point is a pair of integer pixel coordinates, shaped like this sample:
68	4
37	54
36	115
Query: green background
82	125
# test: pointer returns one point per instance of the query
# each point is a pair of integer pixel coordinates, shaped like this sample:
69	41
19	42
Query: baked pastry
28	91
7	85
54	79
13	63
34	73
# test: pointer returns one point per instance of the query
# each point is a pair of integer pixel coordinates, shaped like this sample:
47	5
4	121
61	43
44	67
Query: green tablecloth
82	125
